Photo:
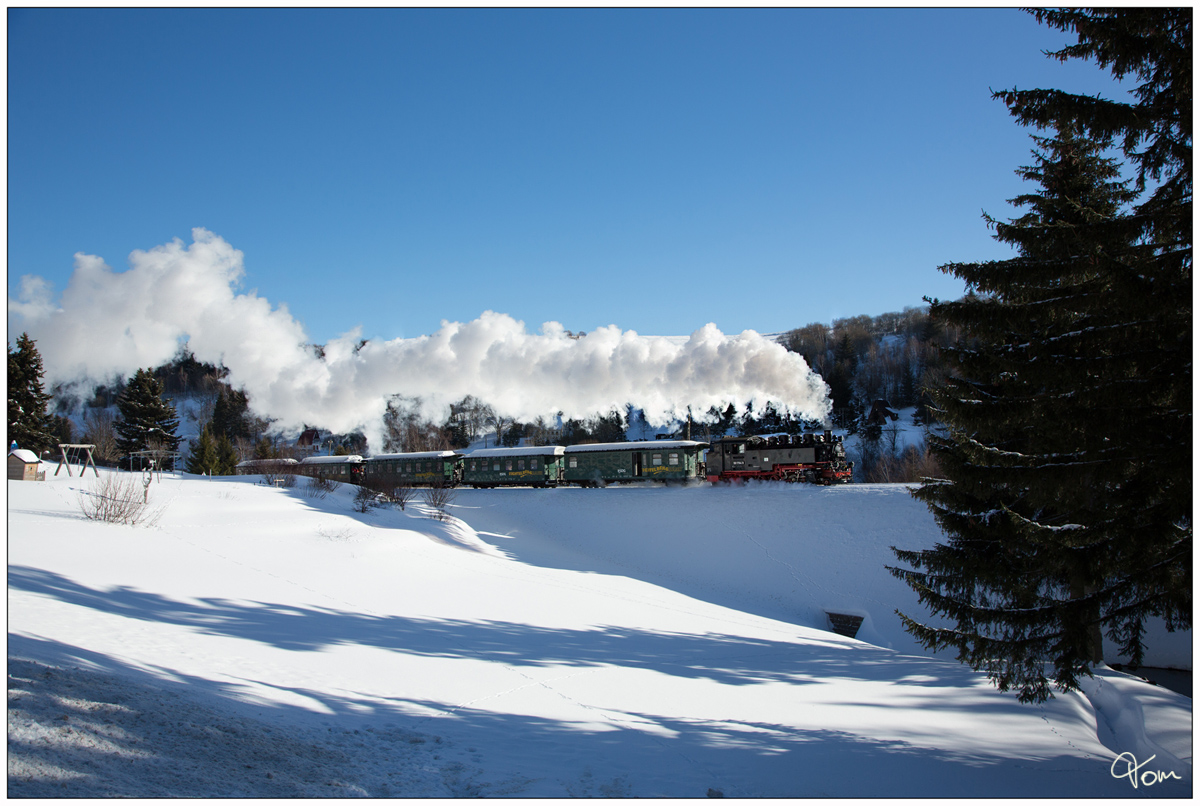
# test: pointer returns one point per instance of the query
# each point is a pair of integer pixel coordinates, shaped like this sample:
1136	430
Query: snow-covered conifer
1068	506
29	425
147	420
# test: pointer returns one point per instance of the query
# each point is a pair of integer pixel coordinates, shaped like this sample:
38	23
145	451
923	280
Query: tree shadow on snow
172	743
83	724
728	659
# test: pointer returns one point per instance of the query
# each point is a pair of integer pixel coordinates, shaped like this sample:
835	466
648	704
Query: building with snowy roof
24	465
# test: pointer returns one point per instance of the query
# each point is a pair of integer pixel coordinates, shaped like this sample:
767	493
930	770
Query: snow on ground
620	642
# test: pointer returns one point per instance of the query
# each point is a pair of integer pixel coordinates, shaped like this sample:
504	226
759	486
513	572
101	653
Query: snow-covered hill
620	642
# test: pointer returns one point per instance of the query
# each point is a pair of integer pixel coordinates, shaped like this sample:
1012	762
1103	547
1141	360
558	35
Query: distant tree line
895	357
469	420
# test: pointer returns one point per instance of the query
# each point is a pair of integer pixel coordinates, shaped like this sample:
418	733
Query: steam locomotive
811	458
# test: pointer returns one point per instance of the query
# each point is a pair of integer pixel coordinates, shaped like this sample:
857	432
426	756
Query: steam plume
108	324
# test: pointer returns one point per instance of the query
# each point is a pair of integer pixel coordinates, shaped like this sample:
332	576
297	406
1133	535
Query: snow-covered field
621	642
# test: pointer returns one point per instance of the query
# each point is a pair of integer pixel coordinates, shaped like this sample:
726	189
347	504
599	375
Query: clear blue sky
653	169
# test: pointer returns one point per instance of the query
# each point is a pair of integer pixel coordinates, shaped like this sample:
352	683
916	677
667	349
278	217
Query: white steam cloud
109	324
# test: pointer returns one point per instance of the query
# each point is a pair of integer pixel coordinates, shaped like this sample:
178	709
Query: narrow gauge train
812	458
547	466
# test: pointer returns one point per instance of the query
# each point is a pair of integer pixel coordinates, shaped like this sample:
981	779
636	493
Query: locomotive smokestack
828	430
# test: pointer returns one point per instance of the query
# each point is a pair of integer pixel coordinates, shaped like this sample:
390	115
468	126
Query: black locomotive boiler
811	458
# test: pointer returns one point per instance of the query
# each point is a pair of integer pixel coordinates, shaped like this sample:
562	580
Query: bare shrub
885	469
365	499
339	536
438	496
402	493
119	498
915	464
392	487
318	487
399	491
926	465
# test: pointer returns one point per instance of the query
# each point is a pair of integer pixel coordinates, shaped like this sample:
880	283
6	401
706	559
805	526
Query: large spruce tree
1067	504
29	424
147	421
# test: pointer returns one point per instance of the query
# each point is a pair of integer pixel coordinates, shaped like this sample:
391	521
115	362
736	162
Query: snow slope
618	642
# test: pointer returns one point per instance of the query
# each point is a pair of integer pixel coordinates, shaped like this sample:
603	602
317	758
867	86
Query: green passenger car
333	468
540	466
423	469
677	460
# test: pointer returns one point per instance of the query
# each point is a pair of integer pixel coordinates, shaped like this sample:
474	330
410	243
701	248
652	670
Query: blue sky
652	169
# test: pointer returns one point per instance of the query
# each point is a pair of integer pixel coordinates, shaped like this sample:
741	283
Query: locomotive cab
733	454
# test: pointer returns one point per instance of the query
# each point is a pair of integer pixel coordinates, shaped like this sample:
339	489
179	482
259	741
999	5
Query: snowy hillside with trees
634	641
201	634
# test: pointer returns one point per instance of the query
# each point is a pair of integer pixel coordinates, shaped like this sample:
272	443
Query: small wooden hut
24	465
